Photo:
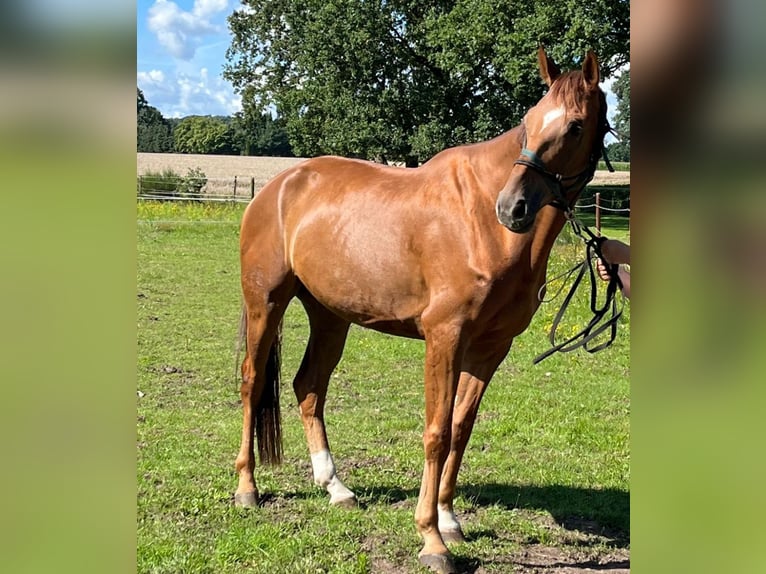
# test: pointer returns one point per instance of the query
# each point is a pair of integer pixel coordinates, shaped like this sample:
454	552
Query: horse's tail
268	419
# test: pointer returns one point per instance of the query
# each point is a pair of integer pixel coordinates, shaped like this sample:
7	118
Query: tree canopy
154	131
246	134
202	134
620	150
403	79
259	134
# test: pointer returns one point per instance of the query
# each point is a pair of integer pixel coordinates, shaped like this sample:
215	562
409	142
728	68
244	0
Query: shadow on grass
605	512
602	512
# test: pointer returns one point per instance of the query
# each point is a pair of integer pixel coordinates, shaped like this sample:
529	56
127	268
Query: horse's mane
569	89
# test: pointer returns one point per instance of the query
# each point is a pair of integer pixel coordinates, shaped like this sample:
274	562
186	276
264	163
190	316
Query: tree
620	150
203	134
403	79
260	134
154	131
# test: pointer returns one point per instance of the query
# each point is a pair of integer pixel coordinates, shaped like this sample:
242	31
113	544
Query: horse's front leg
479	364
441	377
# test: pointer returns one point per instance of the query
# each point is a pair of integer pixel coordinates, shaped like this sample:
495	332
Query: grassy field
544	483
617	165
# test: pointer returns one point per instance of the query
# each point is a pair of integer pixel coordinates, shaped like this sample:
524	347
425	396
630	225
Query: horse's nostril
519	210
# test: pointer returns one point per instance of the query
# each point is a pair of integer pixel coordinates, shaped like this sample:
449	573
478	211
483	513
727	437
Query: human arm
615	251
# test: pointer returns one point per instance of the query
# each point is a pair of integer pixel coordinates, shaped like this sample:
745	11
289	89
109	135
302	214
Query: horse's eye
574	129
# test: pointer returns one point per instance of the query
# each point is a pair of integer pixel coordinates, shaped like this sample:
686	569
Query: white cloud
203	95
204	8
153	77
185	94
181	32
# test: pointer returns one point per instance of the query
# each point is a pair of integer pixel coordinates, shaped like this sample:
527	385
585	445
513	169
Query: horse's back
345	228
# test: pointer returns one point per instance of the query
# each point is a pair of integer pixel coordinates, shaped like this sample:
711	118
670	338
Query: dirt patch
576	546
383	566
539	559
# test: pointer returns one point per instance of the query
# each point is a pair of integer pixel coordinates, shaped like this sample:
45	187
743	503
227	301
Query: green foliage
154	131
614	196
163	183
168	183
620	150
402	80
260	134
192	183
203	135
621	89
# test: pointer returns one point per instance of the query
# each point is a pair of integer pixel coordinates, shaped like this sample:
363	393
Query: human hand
603	272
602	269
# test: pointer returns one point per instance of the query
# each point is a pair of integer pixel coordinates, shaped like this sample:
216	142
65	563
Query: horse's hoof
246	499
453	536
348	502
441	563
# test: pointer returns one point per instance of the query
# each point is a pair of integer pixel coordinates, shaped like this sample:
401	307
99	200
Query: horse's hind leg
260	385
324	350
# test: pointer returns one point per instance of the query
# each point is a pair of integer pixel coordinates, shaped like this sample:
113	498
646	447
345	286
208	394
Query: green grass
612	226
617	165
548	463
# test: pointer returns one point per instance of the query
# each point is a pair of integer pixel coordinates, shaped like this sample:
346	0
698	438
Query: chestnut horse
453	252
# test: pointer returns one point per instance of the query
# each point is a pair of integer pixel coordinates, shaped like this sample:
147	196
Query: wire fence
598	207
231	189
243	189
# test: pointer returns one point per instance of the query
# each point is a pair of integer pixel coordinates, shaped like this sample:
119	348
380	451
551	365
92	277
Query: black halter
560	190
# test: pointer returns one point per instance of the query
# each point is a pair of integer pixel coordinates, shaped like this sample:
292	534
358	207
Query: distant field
216	166
264	168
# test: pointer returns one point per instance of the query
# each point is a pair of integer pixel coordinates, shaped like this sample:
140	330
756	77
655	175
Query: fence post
252	187
598	212
235	187
140	185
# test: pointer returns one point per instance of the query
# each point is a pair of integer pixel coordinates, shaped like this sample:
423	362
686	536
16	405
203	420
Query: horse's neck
550	222
493	162
498	156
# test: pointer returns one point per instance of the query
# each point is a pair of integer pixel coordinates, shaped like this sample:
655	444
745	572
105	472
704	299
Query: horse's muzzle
517	214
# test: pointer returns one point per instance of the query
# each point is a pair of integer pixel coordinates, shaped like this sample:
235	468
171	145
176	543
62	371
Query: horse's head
561	139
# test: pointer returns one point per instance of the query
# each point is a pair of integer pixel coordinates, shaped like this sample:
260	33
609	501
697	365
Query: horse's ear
549	71
590	70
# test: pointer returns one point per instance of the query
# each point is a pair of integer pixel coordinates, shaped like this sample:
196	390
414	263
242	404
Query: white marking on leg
324	476
552	116
447	520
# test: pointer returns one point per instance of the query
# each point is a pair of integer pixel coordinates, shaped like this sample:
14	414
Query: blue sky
181	51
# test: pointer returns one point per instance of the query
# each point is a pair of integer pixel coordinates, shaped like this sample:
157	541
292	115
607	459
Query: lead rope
595	327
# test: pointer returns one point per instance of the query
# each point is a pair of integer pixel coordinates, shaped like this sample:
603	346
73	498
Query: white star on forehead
553	115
